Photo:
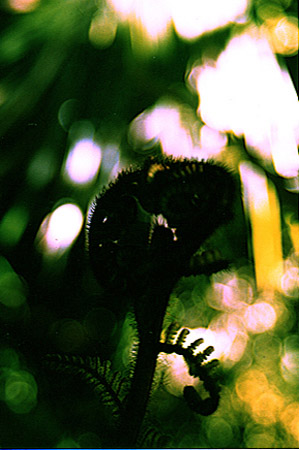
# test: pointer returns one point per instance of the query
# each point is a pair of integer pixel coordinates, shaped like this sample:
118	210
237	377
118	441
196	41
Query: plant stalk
137	401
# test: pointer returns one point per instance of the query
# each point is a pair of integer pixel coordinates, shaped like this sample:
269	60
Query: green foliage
58	86
110	386
197	368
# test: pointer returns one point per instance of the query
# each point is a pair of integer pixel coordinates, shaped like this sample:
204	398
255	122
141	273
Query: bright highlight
103	29
246	92
260	317
23	6
290	359
149	21
59	229
282	33
262	208
192	18
264	401
289	418
83	162
168	123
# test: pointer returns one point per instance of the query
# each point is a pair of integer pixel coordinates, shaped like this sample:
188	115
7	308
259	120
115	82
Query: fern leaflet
110	386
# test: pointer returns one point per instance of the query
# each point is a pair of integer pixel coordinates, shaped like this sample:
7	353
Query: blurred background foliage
89	87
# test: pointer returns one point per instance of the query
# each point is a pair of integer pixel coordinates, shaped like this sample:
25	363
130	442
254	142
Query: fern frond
203	407
171	332
110	386
150	437
197	368
193	346
207	263
202	356
182	337
196	364
212	364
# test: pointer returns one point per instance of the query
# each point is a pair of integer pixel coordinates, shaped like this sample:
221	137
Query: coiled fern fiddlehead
143	231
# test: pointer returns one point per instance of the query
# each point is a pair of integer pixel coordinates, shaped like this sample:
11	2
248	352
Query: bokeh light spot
149	25
212	140
251	385
264	402
267	407
289	418
229	338
290	359
168	123
12	48
59	229
246	92
13	225
219	433
23	6
41	169
89	440
68	112
260	317
269	9
83	162
102	30
283	34
267	350
123	7
68	443
177	375
230	293
69	335
149	22
9	358
12	288
20	391
259	436
290	282
293	228
192	18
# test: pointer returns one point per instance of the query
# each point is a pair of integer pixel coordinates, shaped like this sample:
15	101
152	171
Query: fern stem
148	350
168	266
139	395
